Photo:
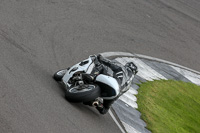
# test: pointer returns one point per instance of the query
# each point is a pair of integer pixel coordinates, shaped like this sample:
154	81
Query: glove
99	57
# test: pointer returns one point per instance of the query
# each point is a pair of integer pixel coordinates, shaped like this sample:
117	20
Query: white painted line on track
194	78
129	128
164	61
128	101
133	91
109	54
121	60
120	54
115	120
130	96
145	71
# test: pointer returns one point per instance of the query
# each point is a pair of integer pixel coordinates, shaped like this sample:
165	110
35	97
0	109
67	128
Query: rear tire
89	93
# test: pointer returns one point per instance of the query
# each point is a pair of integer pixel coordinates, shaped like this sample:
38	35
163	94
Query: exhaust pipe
95	103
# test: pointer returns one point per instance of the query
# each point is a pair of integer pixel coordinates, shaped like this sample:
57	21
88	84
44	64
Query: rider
120	73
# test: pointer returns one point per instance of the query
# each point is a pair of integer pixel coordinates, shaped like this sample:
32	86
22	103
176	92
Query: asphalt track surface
38	37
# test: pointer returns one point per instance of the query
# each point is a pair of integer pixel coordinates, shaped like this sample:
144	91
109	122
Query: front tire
59	75
88	92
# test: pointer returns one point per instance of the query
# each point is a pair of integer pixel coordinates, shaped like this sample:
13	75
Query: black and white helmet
132	66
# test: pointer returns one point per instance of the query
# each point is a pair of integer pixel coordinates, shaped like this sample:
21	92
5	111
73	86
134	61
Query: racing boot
102	110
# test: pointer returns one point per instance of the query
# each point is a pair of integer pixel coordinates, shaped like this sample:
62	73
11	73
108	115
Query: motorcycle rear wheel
83	93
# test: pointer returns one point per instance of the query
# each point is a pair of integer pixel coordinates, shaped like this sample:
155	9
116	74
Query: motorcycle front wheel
59	74
83	93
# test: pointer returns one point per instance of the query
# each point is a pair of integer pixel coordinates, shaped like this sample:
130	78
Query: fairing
84	66
109	86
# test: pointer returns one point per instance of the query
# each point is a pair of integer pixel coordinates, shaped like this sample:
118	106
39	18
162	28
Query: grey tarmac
40	37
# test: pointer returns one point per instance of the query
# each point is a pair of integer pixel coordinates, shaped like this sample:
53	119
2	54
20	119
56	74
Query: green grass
169	106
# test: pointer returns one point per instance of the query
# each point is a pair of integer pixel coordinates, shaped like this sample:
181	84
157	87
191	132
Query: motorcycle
78	90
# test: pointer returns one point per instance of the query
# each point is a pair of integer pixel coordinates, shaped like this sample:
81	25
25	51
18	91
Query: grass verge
169	106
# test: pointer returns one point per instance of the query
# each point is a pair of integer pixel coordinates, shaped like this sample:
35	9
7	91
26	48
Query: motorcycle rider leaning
121	73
